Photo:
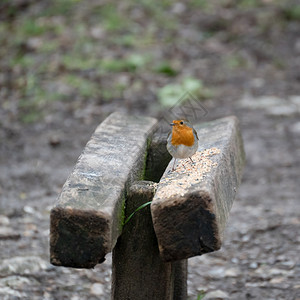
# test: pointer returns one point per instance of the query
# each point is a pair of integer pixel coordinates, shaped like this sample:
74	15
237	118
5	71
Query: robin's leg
173	169
191	159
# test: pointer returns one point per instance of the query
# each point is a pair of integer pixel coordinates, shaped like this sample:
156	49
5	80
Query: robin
182	141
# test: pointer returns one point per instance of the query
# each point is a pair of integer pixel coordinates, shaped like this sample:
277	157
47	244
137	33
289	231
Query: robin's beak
172	124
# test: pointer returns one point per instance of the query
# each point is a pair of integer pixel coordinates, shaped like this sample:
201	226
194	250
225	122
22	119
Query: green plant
291	12
139	208
60	7
85	87
31	27
128	64
235	61
246	4
73	61
201	295
170	94
112	18
165	68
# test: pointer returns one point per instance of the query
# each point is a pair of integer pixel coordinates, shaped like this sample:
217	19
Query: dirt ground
53	96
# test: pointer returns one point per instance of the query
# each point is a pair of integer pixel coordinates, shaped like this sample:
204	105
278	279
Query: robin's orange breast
182	136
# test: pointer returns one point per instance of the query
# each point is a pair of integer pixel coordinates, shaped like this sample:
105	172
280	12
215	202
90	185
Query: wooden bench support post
180	279
138	270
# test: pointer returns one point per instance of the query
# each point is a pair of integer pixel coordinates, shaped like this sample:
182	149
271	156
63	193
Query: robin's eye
181	123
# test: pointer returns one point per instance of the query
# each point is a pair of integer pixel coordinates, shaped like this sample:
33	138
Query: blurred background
65	65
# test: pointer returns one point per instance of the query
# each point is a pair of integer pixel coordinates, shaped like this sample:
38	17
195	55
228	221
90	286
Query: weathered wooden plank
87	218
191	206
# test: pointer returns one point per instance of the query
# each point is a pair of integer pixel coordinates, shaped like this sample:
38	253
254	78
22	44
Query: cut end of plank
77	237
194	231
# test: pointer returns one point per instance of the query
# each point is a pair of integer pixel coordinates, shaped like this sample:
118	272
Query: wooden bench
188	213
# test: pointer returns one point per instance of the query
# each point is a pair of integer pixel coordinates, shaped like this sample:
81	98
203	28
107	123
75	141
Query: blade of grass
139	208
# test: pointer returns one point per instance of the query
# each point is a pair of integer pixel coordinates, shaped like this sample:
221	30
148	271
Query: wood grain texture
191	206
87	218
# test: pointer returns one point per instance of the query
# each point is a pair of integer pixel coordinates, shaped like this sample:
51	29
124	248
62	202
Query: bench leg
180	279
138	271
